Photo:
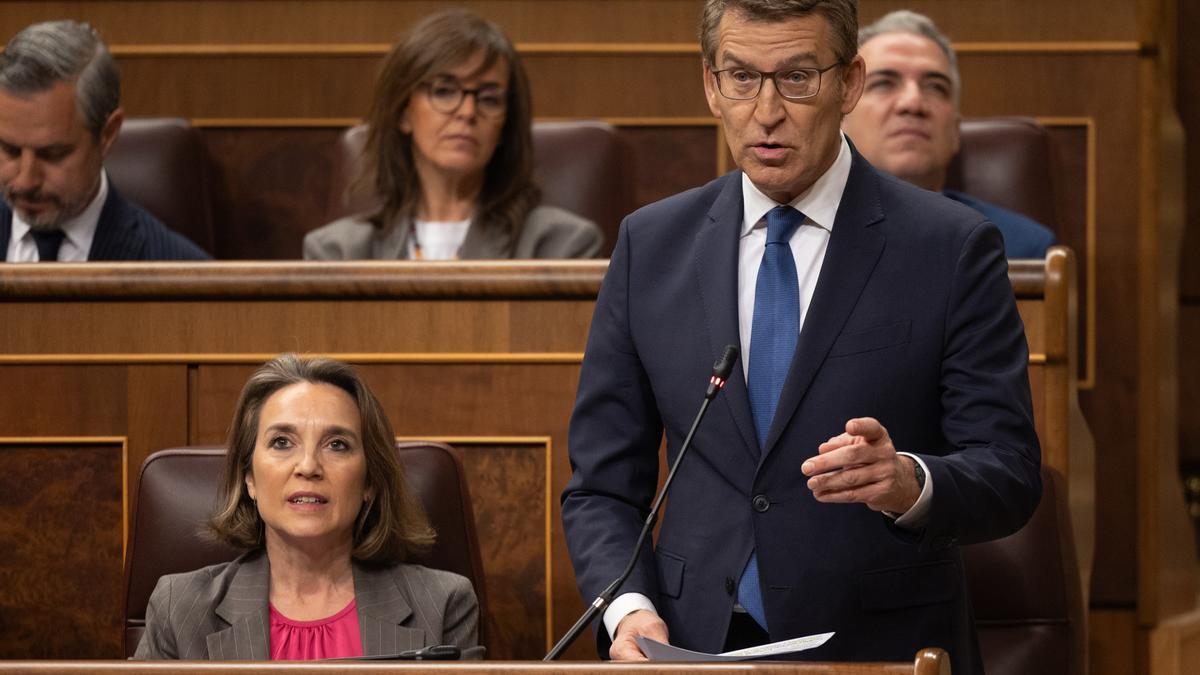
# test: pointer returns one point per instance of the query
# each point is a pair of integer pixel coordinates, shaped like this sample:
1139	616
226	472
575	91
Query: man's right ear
710	91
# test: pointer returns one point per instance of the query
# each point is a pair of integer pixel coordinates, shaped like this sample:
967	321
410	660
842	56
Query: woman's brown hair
389	527
434	45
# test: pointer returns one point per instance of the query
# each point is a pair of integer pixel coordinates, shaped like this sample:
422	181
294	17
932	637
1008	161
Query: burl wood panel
509	496
479	408
272	188
60	575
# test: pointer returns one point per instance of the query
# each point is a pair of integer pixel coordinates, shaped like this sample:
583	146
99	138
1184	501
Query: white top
819	204
437	240
79	232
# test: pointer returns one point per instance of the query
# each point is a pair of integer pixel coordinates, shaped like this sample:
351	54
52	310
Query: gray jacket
220	612
548	232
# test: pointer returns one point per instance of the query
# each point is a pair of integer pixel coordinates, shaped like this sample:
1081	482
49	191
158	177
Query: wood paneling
927	662
272	21
339	86
1175	645
485	356
1112	640
61	518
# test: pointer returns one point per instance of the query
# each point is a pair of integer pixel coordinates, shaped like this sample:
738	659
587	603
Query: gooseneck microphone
720	374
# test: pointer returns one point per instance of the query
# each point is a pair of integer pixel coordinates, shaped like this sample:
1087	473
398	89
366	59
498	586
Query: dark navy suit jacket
1024	237
913	321
125	231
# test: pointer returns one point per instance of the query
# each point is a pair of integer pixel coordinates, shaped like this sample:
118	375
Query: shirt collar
819	203
79	230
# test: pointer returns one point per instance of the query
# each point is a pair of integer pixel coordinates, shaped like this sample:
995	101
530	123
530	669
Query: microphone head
724	365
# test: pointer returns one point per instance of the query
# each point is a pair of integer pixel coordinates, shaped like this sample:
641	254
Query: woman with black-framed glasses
450	156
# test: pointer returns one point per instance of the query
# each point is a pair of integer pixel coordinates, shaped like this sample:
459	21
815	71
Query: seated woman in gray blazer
449	153
315	493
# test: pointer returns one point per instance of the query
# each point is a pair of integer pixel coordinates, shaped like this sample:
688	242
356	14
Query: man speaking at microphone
881	415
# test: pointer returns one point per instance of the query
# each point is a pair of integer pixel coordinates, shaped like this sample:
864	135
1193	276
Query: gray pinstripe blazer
548	232
220	612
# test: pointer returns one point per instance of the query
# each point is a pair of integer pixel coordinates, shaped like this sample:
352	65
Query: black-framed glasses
446	95
743	84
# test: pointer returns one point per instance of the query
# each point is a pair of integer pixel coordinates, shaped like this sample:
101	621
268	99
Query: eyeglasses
743	84
447	94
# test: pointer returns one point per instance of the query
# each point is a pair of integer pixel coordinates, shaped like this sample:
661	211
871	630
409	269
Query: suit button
761	503
730	587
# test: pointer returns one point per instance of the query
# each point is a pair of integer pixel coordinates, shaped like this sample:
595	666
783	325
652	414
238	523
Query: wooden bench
102	364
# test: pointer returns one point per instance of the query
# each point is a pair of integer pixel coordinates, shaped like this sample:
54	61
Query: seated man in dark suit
907	120
59	115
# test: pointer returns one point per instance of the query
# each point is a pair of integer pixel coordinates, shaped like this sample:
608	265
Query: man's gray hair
842	16
45	54
908	21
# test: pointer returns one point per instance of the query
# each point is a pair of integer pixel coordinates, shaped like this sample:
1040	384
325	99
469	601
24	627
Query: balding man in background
60	95
906	122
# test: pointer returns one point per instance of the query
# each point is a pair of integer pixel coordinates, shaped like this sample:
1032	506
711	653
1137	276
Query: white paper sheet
657	651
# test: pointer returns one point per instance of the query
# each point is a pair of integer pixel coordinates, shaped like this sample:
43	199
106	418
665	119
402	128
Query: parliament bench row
105	364
164	165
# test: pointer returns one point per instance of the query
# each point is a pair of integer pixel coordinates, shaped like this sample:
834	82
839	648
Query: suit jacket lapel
854	250
382	609
6	217
245	609
391	243
716	274
116	238
486	242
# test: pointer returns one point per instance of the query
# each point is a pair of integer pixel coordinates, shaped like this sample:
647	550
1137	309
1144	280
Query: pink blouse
327	638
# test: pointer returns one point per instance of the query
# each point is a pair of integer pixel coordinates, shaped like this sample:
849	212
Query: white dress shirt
819	204
79	232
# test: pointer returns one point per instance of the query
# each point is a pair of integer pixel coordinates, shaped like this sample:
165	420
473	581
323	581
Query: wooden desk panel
485	356
927	662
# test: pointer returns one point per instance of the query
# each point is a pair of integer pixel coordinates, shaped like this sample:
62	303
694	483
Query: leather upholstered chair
159	164
581	166
1006	161
178	492
1027	595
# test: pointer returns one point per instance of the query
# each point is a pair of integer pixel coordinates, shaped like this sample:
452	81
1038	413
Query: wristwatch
920	474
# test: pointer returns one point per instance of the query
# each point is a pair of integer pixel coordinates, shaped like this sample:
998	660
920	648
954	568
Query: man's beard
57	212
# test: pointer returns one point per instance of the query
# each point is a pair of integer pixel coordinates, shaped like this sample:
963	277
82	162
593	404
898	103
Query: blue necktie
773	336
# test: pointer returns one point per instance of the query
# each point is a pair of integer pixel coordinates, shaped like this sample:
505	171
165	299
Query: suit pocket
912	586
670	573
872	339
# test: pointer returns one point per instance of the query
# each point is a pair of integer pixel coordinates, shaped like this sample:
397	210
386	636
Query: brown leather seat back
1006	161
1026	593
159	164
177	493
581	166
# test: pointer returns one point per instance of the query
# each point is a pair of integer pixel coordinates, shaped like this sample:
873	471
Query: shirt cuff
917	515
624	604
